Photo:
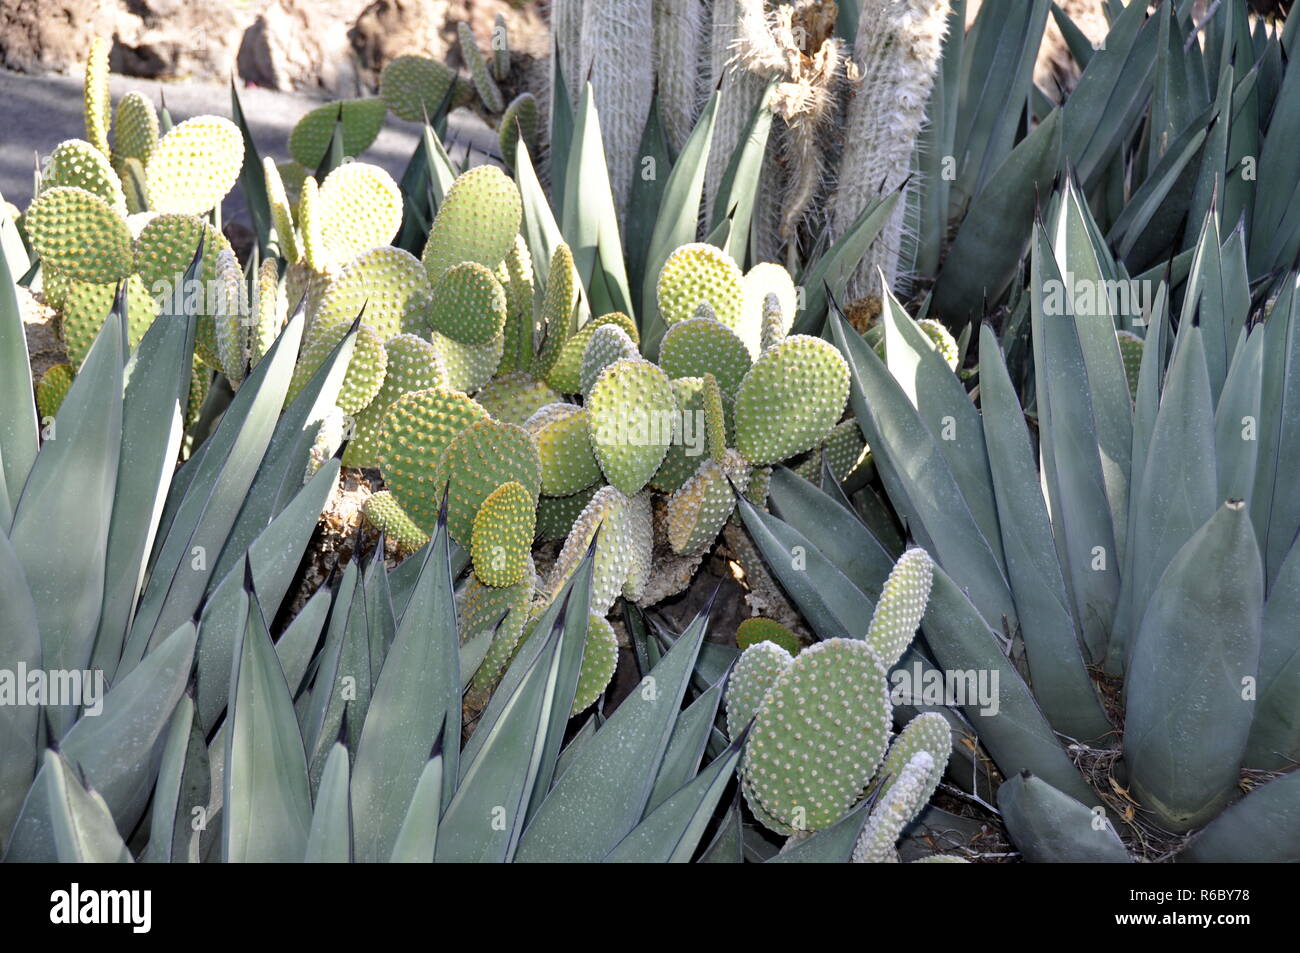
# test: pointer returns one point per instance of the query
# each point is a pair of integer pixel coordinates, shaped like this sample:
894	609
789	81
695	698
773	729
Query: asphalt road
39	112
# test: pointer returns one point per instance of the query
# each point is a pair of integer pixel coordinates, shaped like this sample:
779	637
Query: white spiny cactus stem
741	91
898	805
566	39
897	51
678	33
614	56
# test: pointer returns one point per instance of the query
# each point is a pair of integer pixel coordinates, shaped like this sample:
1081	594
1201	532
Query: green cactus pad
699	509
477	221
85	306
97	105
557	514
690	443
414	87
78	164
52	388
270	309
358	207
607	345
486	86
195	165
566	375
760	482
362	119
200	383
230	318
568	463
762	281
292	176
820	734
757	670
468	304
515	273
698	273
1130	351
773	330
515	397
635	525
137	129
166	246
468	366
846	451
479	608
388	283
281	212
386	515
521	118
558	306
311	227
632	420
502	537
80	234
901	606
942	340
715	419
790	399
599	660
699	346
411	364
366	370
613	559
757	629
928	732
417	429
481	458
896	809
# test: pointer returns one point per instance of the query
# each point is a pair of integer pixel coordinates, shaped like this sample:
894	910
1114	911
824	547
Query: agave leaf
1016	735
1262	827
991	242
847	543
298	642
1204	299
580	738
646	197
1050	827
266	803
63	821
418	690
61	520
341	693
1072	469
728	844
840	262
1275	507
418	838
1275	734
601	797
679	211
686	746
119	749
157	387
910	459
486	816
252	177
20	646
937	142
739	185
18	427
187	555
1051	634
562	132
539	227
1272	238
1236	421
832	845
1244	138
672	832
330	839
1187	722
183	784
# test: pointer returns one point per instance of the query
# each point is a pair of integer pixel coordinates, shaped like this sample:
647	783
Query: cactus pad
698	273
137	129
78	164
417	428
477	221
95	94
607	345
86	305
699	509
697	346
516	276
521	118
633	417
358	207
599	659
481	458
166	246
468	304
362	119
901	606
568	463
928	732
415	87
566	375
80	234
893	812
388	282
557	309
690	443
195	165
52	388
613	550
479	608
790	399
755	673
411	365
756	630
486	86
1130	352
515	397
366	370
762	281
942	340
556	514
502	537
386	515
468	366
820	734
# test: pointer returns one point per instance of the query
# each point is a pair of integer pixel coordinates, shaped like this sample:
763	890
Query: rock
38	36
301	45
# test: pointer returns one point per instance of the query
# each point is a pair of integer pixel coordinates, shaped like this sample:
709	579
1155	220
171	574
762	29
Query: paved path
37	113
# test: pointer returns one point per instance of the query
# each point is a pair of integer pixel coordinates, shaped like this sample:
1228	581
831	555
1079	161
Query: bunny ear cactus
701	345
469	304
790	399
361	120
755	630
898	805
564	448
607	345
136	133
80	234
632	413
702	274
194	165
98	106
51	390
80	165
486	86
477	222
415	87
